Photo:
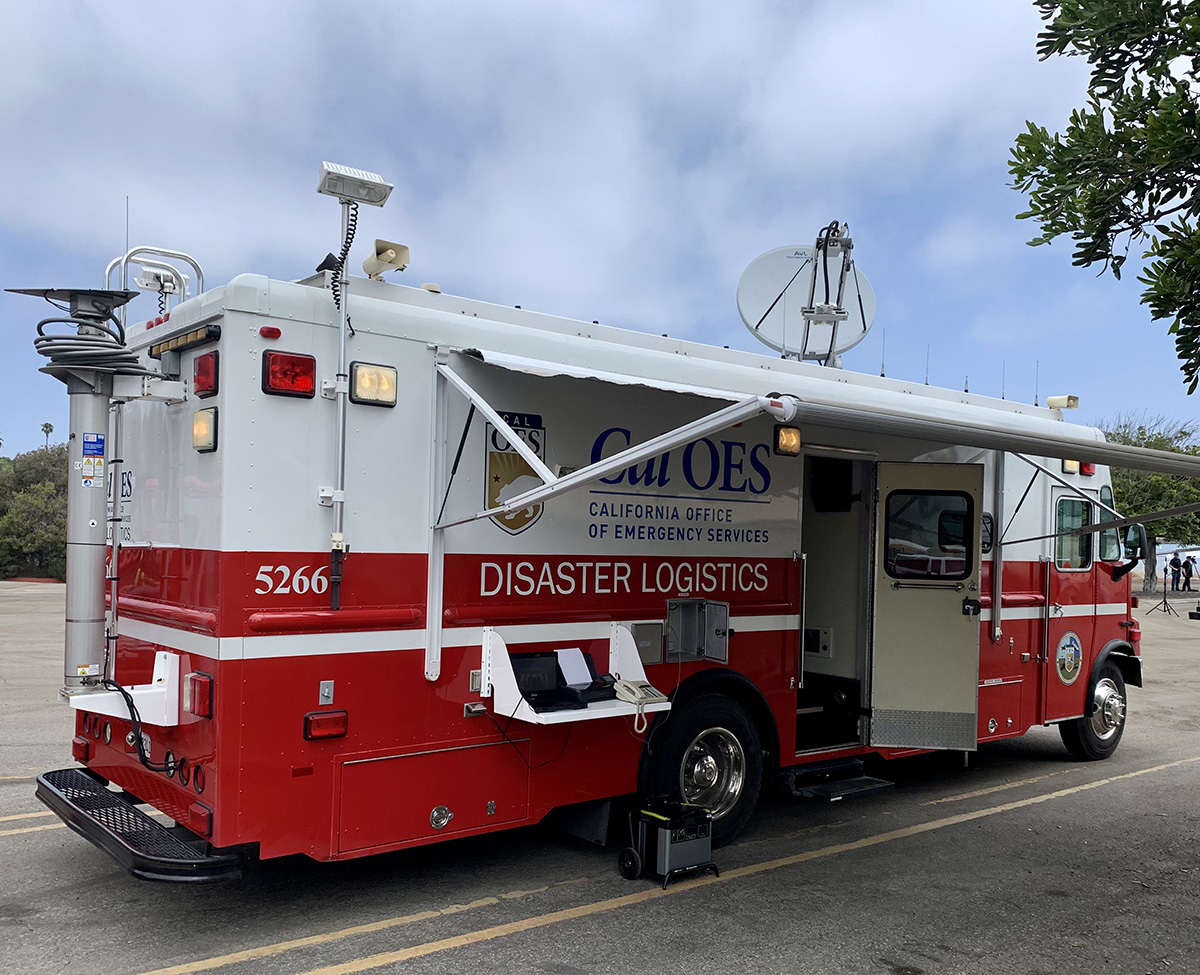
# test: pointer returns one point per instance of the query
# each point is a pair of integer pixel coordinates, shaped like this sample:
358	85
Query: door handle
972	607
955	586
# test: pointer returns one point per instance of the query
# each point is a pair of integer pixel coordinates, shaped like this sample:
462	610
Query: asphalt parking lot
1024	862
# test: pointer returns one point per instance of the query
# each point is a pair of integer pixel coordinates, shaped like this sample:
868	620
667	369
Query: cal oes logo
508	473
1068	659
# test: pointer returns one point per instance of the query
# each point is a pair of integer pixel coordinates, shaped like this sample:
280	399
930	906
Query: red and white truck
342	552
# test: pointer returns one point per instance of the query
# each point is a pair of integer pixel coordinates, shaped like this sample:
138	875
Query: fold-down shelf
500	683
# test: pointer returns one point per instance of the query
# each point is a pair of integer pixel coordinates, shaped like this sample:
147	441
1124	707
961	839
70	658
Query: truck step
861	785
143	846
798	778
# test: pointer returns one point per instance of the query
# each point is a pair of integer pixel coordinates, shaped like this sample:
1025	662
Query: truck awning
840	405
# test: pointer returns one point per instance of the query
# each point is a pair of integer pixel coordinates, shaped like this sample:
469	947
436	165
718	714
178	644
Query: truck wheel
710	755
1092	738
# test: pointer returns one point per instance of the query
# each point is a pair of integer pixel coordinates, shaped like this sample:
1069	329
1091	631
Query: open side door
925	658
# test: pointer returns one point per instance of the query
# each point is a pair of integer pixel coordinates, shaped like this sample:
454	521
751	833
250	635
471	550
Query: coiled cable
100	349
351	227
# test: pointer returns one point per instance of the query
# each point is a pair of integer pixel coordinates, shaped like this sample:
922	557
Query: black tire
629	863
709	753
1096	736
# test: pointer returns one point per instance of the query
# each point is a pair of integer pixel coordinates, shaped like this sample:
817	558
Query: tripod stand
1165	605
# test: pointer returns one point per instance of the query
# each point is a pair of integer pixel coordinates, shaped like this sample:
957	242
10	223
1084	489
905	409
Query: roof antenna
883	354
926	364
1037	365
966	384
1003	364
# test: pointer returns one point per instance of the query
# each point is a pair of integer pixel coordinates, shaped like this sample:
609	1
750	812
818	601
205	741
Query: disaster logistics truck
379	566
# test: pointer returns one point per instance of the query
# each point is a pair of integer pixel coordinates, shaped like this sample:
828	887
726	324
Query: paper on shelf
574	668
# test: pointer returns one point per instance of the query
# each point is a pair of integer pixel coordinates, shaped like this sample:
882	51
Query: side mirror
1136	543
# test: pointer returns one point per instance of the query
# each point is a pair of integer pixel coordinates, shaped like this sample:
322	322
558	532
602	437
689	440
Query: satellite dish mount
819	327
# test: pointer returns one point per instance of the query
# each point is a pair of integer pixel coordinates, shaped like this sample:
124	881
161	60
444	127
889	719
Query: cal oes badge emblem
509	474
1068	659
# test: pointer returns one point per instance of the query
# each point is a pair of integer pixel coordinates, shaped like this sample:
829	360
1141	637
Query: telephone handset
638	692
641	693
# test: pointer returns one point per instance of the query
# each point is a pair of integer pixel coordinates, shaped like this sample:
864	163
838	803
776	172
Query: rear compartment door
925	647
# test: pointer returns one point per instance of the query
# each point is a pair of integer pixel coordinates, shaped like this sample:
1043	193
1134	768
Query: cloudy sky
622	162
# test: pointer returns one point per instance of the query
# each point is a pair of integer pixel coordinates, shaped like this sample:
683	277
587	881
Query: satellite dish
790	302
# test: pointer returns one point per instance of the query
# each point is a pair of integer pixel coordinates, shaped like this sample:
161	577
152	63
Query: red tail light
325	724
1087	469
81	749
289	374
197	694
205	375
199	819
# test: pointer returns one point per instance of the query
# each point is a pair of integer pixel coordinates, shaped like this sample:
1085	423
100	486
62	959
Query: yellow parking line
318	939
9	819
599	907
32	829
997	788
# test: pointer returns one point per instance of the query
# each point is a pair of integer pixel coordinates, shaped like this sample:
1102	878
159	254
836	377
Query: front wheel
710	755
1095	737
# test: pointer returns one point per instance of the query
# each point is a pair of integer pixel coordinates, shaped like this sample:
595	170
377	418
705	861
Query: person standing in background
1189	568
1176	566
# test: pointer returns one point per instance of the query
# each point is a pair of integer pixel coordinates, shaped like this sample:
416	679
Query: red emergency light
325	724
1087	469
205	375
289	374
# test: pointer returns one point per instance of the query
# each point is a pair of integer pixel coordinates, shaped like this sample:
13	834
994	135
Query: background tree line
33	513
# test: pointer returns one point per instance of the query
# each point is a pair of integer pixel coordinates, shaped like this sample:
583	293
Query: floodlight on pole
350	187
356	185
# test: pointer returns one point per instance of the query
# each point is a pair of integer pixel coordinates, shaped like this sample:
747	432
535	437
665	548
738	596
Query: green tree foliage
33	514
1135	492
1127	168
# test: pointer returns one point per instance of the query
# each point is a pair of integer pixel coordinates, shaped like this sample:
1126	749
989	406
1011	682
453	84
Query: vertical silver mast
351	187
87	517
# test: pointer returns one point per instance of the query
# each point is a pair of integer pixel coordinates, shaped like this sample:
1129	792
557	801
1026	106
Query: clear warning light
372	384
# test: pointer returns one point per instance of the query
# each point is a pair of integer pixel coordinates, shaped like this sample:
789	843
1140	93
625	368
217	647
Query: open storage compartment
500	683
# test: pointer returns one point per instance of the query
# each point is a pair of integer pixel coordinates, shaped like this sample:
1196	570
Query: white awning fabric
834	402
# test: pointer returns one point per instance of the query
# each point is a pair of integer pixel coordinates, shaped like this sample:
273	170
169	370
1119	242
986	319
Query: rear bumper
143	846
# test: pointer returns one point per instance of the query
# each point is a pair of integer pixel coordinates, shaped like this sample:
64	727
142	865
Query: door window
1072	551
929	535
1110	542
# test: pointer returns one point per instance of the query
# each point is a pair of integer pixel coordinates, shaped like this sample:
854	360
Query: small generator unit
669	839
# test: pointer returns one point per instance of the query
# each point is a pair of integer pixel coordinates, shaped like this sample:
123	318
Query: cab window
1072	551
929	535
1110	542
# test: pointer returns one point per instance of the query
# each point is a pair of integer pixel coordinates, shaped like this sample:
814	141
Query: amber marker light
787	440
204	430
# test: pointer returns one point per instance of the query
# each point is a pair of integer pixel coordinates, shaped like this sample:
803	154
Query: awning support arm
1069	486
783	408
484	407
1103	526
1016	510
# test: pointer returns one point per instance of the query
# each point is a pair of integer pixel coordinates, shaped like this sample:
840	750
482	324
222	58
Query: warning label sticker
92	469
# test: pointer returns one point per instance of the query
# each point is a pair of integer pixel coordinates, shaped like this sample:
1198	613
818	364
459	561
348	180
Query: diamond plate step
143	846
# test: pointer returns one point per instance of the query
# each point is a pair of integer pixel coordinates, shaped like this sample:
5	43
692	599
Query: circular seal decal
1068	659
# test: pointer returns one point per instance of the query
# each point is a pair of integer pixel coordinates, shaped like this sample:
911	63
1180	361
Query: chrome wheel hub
713	771
1109	712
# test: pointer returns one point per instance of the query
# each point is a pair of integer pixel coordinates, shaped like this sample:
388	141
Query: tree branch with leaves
1126	170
